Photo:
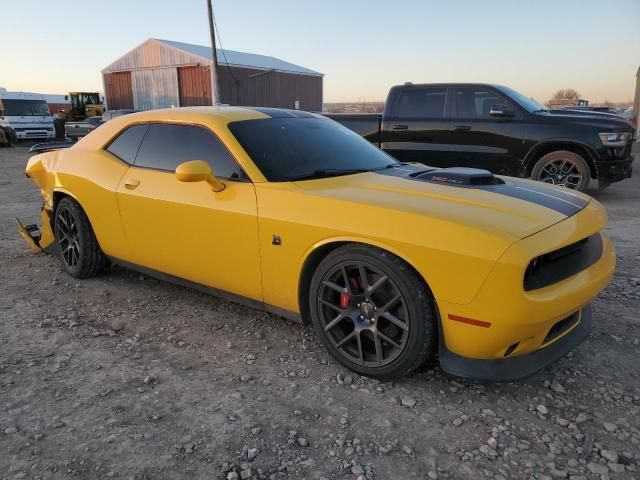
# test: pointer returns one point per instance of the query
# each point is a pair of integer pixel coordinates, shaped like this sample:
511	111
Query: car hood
609	120
515	209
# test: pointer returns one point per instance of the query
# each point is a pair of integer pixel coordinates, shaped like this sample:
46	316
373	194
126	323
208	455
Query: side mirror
198	171
501	111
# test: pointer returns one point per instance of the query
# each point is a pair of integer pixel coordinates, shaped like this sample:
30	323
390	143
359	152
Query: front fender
532	154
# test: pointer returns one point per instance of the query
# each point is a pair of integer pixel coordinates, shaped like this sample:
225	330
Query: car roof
409	84
224	114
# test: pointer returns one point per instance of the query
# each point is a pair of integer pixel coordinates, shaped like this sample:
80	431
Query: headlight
614	139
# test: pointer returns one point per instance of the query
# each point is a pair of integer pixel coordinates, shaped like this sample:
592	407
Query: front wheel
77	245
564	169
372	311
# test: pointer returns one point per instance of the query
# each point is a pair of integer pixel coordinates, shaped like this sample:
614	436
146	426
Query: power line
224	54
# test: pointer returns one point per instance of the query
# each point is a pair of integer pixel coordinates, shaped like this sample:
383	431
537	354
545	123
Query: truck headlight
614	139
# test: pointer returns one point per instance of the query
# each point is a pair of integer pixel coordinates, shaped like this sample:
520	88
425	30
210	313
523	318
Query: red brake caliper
344	296
344	300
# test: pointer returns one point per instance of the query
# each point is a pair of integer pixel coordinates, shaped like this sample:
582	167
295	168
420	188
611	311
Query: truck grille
30	130
563	263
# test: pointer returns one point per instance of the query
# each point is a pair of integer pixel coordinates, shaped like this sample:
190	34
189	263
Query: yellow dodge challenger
291	212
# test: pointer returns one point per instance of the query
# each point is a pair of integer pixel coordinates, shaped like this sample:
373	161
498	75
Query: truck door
485	130
416	125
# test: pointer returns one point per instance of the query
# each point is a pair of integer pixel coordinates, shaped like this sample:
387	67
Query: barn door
194	85
118	90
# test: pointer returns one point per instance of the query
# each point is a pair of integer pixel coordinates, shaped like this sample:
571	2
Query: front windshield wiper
328	172
541	110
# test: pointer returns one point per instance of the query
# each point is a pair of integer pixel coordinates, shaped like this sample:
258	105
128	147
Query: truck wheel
77	245
372	311
564	169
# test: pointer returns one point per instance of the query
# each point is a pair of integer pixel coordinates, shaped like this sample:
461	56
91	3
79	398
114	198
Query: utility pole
215	85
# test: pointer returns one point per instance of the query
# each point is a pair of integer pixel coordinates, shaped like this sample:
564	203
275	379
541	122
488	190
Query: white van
27	114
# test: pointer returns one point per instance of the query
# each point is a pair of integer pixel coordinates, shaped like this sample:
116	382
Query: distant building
162	73
57	103
567	102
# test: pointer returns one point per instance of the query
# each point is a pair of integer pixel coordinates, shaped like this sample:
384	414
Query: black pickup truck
498	129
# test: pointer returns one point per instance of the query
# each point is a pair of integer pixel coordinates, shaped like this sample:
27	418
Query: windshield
27	108
529	104
288	148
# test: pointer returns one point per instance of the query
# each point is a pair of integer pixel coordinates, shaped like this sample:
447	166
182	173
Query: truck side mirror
501	111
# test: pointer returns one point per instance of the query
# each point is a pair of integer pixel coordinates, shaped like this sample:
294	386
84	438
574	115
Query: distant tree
607	103
566	93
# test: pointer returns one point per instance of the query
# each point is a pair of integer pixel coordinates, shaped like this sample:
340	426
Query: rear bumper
615	170
514	368
38	238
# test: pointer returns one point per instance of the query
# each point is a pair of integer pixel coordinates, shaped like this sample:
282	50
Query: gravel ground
124	376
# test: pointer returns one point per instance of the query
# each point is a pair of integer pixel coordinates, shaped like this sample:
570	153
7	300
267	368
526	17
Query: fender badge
276	240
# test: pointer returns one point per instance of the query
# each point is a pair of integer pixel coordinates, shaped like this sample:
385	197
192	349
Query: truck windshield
27	108
286	149
529	104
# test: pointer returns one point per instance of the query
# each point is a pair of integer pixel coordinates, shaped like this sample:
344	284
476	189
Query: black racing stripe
562	202
546	198
405	170
283	112
542	188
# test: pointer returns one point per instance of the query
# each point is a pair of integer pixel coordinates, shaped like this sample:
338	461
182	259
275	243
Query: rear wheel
77	245
564	169
372	311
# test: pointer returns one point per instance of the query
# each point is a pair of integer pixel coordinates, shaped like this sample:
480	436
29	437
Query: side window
126	145
422	102
476	103
166	146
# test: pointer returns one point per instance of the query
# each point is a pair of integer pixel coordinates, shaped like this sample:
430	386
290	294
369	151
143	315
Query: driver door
480	140
187	230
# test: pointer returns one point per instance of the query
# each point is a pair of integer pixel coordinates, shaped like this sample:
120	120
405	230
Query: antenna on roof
215	88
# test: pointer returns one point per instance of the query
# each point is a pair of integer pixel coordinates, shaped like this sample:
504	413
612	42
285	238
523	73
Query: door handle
461	128
131	183
399	127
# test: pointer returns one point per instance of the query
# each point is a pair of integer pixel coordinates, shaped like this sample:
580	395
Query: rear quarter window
421	102
125	146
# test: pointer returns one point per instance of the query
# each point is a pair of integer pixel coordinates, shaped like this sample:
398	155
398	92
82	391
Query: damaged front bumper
38	238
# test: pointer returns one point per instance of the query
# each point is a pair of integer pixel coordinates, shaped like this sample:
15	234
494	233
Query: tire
75	241
563	168
387	339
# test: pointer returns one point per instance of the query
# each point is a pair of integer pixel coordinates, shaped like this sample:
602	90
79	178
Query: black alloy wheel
75	241
372	311
563	169
67	237
363	313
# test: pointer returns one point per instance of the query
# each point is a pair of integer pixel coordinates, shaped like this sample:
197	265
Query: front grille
563	263
29	129
562	326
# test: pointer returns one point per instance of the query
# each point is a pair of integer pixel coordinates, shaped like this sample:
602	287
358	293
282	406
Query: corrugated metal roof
240	59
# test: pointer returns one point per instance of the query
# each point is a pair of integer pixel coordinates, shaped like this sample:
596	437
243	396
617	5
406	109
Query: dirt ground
128	377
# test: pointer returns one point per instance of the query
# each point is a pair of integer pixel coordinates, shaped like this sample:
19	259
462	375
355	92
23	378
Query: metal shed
163	73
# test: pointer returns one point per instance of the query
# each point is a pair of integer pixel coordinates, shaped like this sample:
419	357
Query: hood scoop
459	176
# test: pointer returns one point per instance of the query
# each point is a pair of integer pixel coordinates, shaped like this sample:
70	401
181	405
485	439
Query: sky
362	47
